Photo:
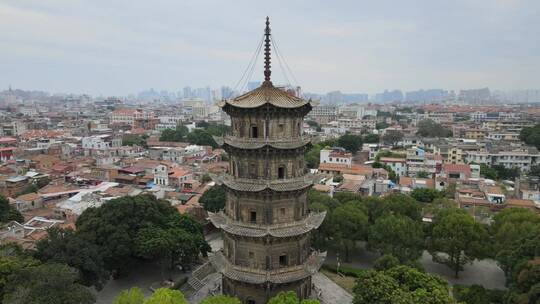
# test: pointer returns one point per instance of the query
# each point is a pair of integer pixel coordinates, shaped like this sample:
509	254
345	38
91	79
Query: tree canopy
47	283
119	227
401	284
397	235
160	296
350	142
429	128
9	213
459	237
213	199
64	246
531	135
289	297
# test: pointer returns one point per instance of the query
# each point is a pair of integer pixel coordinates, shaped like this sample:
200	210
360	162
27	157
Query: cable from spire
267	71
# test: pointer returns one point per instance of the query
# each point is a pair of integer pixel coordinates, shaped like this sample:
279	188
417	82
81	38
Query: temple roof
258	276
257	185
266	94
222	221
257	143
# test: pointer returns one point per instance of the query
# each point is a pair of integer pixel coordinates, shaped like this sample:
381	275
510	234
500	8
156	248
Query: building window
281	127
281	172
283	260
282	211
253	216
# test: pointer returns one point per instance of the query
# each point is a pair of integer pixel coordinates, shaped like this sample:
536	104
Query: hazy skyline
122	47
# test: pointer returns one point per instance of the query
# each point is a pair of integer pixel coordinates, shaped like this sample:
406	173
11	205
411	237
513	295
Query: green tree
477	294
422	174
9	213
429	128
66	247
459	238
201	138
115	226
400	284
398	236
217	129
206	178
166	296
516	235
12	260
535	171
350	142
392	138
385	262
133	295
488	172
221	300
349	224
531	135
371	138
289	297
426	195
213	199
178	134
135	140
47	283
394	204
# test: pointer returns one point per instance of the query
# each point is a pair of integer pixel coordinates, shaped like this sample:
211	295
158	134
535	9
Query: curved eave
286	275
221	221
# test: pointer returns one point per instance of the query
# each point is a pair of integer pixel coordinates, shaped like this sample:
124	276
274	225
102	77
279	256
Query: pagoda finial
267	71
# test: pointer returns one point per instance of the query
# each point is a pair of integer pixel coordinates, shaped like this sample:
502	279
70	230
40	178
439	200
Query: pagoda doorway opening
254	131
281	172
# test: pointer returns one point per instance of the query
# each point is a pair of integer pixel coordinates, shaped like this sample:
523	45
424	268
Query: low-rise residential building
398	165
509	157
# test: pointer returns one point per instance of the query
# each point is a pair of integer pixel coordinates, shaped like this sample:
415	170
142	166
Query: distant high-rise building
226	92
252	85
389	96
187	93
426	95
475	96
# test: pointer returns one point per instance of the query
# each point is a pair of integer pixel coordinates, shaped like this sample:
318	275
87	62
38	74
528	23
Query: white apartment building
101	142
323	113
129	116
354	123
522	158
336	156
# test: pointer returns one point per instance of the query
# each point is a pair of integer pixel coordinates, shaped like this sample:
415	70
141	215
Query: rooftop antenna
267	71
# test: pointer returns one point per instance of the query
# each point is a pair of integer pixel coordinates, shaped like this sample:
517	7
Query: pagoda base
261	293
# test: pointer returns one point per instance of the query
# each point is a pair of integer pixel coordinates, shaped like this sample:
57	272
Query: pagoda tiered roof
222	221
257	185
259	276
266	94
257	143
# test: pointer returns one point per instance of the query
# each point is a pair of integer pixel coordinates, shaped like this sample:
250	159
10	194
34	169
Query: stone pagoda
266	222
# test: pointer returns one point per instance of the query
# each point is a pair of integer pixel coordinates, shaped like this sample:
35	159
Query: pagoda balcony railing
313	218
247	142
306	178
255	275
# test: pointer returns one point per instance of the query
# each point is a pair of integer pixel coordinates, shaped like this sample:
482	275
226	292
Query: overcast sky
116	47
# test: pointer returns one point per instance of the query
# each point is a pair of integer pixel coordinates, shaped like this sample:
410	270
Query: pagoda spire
267	71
